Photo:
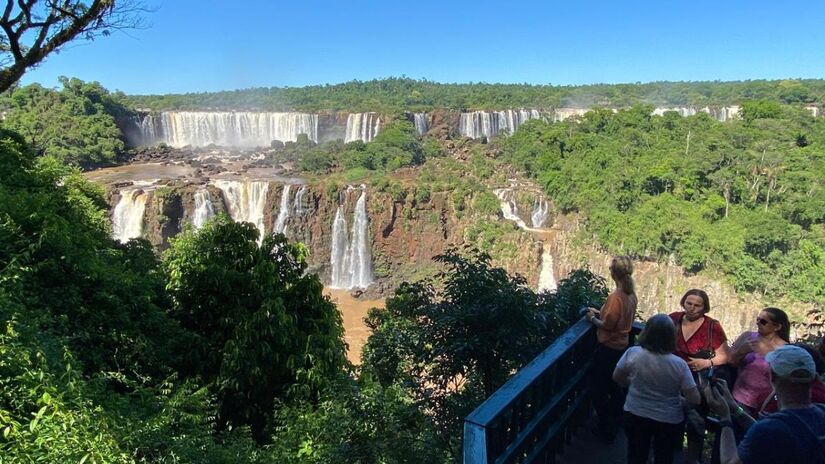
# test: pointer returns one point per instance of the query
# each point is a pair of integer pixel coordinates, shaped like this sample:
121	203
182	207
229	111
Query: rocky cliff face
406	230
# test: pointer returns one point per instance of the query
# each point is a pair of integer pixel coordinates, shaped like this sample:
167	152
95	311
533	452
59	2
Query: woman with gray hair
657	382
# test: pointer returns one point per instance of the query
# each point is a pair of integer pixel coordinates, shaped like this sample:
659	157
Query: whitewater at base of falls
245	201
350	257
127	217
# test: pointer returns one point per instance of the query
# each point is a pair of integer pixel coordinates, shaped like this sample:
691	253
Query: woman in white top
657	381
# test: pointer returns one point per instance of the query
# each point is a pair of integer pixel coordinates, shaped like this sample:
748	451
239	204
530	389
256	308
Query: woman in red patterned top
700	341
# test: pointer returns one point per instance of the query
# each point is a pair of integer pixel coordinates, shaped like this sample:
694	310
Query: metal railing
532	416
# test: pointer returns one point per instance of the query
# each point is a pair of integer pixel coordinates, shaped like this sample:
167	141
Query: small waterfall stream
509	210
127	217
298	208
422	123
283	212
204	211
350	257
539	215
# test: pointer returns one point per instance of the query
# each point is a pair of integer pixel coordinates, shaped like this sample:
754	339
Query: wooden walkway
586	449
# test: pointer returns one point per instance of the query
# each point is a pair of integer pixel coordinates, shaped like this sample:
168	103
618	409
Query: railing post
475	444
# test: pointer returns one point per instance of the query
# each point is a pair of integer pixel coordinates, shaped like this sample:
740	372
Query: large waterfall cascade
283	212
422	123
127	217
204	210
477	124
239	129
245	201
350	257
362	126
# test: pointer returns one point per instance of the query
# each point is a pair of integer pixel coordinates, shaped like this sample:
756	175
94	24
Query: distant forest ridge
404	94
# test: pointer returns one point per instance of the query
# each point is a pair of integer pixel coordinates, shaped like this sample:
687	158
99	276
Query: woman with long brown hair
613	322
753	384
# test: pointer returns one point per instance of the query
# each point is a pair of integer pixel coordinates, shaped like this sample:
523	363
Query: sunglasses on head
762	321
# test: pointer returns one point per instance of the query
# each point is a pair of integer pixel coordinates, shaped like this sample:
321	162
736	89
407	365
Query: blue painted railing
532	416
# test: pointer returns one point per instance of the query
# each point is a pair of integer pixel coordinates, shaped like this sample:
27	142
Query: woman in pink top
753	384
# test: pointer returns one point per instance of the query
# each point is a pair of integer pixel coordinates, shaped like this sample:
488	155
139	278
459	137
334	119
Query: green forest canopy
404	94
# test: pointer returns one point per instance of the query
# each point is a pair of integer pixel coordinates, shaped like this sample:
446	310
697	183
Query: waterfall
477	124
245	201
127	218
283	212
350	257
422	123
362	126
204	211
539	215
299	200
242	129
547	280
509	209
560	114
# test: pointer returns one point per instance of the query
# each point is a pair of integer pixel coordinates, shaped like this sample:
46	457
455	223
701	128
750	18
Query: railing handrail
573	395
528	374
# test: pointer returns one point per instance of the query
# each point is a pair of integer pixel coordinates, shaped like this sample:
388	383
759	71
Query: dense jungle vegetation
742	199
223	350
405	94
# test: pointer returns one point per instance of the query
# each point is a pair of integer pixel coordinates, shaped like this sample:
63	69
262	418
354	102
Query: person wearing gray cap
795	434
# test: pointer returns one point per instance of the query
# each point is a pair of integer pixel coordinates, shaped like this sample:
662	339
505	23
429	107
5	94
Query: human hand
698	364
759	346
716	394
592	313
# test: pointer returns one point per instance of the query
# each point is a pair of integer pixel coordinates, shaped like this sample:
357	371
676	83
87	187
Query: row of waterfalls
257	129
246	201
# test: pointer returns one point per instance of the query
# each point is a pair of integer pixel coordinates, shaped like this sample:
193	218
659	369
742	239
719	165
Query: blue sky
208	45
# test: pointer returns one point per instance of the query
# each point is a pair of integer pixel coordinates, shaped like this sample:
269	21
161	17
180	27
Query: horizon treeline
396	94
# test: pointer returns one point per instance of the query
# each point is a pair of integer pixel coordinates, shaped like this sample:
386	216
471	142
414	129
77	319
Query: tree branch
65	20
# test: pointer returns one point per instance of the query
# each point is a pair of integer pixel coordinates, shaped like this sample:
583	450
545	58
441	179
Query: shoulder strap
710	336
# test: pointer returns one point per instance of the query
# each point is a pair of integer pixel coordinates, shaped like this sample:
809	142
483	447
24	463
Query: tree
452	341
262	328
32	29
78	124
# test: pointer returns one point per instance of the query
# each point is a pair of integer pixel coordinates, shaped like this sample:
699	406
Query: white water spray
127	218
204	211
350	257
283	212
245	201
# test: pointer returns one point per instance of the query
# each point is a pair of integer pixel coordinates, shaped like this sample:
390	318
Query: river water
353	311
